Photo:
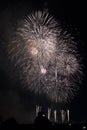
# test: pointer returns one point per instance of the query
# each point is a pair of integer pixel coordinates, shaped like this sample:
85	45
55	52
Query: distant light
69	124
43	115
84	127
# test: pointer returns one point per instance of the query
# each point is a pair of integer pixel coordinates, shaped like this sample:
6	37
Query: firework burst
46	58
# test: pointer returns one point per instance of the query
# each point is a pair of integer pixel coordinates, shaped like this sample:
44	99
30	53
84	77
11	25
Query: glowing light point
68	68
34	51
43	70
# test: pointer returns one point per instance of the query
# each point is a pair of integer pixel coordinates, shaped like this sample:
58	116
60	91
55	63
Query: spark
43	70
34	51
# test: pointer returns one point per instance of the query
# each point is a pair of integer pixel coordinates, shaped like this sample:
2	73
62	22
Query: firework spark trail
45	57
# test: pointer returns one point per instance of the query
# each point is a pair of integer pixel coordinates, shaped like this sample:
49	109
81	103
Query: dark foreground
79	126
42	122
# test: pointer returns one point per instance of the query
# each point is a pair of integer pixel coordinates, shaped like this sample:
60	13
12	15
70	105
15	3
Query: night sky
17	102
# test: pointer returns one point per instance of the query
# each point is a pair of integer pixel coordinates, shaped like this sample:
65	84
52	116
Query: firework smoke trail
46	57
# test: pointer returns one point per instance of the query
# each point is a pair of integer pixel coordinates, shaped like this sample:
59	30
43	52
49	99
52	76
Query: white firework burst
45	58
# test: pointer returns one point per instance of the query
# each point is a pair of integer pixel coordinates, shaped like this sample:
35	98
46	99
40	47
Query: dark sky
14	100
